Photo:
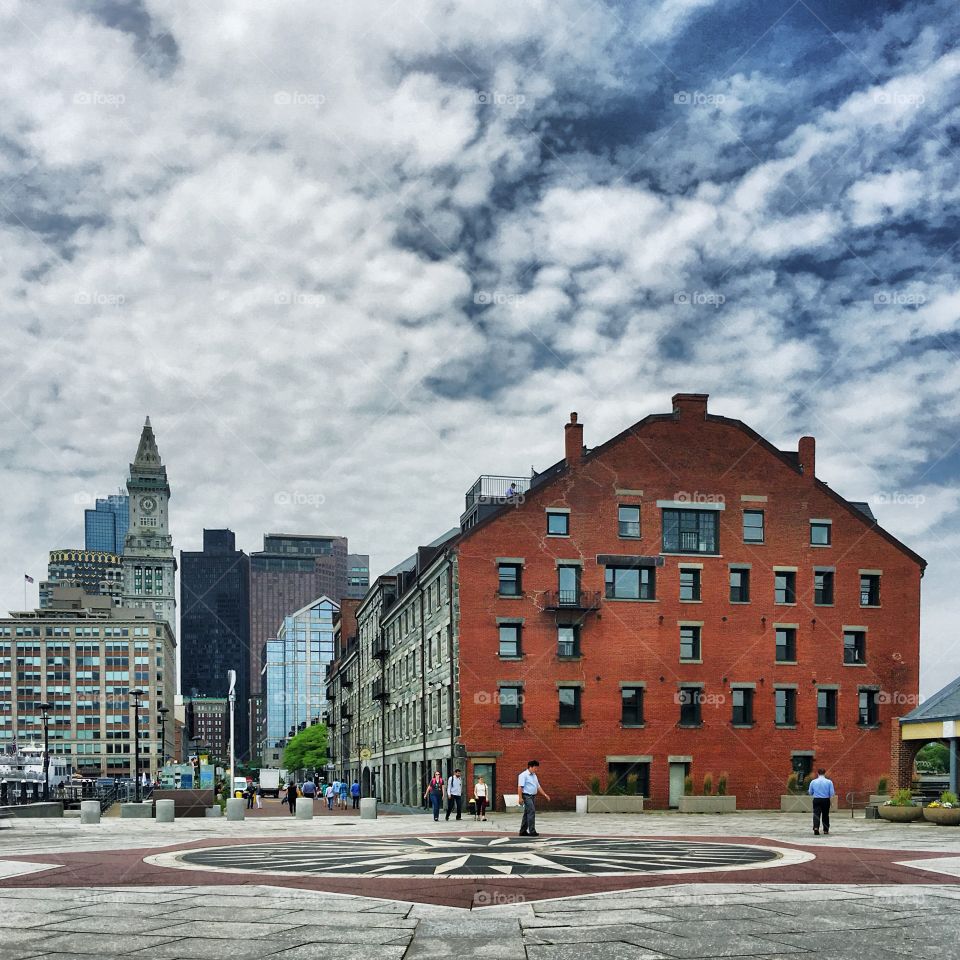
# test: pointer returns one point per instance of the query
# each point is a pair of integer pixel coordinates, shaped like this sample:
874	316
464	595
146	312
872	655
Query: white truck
270	782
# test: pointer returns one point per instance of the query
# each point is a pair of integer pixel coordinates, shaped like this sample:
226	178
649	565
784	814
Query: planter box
900	814
602	804
800	803
708	804
944	816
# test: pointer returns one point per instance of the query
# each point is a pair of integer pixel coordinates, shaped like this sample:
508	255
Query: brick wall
686	456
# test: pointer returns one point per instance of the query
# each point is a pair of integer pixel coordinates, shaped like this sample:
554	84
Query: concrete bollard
368	808
136	811
235	808
165	811
582	800
89	811
304	808
213	812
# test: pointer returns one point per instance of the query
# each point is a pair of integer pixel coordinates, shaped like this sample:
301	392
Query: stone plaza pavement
870	891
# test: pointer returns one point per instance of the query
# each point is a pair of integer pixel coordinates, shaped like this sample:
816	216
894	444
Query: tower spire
147	452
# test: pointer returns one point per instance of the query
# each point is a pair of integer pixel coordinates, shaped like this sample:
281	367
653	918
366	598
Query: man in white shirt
528	786
455	794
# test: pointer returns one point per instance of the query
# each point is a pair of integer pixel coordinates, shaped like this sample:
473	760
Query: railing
378	689
573	600
490	489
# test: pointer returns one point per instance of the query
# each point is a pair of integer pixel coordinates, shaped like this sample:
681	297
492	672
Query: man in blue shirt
821	789
528	786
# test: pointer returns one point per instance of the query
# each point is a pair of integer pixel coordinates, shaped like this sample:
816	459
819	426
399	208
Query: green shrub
688	786
882	785
902	798
792	783
707	784
722	785
595	786
948	797
632	781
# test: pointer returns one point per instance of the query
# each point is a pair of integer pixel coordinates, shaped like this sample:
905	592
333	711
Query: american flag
28	578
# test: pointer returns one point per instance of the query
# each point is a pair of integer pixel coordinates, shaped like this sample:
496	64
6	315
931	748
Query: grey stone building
393	713
83	656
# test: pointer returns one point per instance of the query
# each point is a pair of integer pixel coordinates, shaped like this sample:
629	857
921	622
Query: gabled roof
943	705
789	458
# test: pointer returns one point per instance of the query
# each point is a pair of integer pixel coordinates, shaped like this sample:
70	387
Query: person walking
292	796
822	791
259	797
480	795
435	793
344	789
455	794
355	793
328	796
249	795
528	786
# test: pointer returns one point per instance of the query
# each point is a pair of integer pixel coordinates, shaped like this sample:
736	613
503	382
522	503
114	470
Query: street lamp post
136	694
163	711
232	695
46	708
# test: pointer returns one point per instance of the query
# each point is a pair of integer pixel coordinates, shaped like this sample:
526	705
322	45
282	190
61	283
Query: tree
934	757
307	749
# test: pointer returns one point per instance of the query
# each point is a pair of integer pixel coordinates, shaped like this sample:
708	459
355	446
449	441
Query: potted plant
945	811
617	798
707	803
796	800
882	795
900	808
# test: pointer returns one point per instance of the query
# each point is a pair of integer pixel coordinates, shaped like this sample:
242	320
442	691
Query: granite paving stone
92	944
466	948
107	926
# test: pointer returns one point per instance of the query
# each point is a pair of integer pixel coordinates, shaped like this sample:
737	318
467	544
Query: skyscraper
96	573
215	623
105	526
149	566
291	571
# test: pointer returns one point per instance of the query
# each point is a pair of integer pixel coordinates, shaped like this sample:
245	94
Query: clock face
148	504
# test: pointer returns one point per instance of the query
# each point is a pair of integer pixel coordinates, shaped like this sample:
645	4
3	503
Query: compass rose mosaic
475	857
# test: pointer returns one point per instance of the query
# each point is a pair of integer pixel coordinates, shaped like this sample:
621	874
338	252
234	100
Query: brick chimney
807	454
573	440
692	405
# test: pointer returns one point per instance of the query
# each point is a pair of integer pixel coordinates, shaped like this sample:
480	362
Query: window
689	643
823	588
753	526
629	778
740	586
690	531
826	708
742	706
786	644
784	587
869	715
558	524
689	699
631	706
509	640
820	533
511	704
569	706
509	579
568	585
689	584
785	707
628	522
629	583
854	646
568	641
869	589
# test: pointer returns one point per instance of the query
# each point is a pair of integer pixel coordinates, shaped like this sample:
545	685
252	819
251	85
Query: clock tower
149	566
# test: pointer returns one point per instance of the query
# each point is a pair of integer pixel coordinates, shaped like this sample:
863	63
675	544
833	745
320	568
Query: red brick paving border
110	868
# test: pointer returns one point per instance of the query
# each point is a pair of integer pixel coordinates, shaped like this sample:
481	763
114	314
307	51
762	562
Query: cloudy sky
350	256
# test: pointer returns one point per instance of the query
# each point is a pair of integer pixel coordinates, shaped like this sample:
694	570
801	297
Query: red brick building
683	599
